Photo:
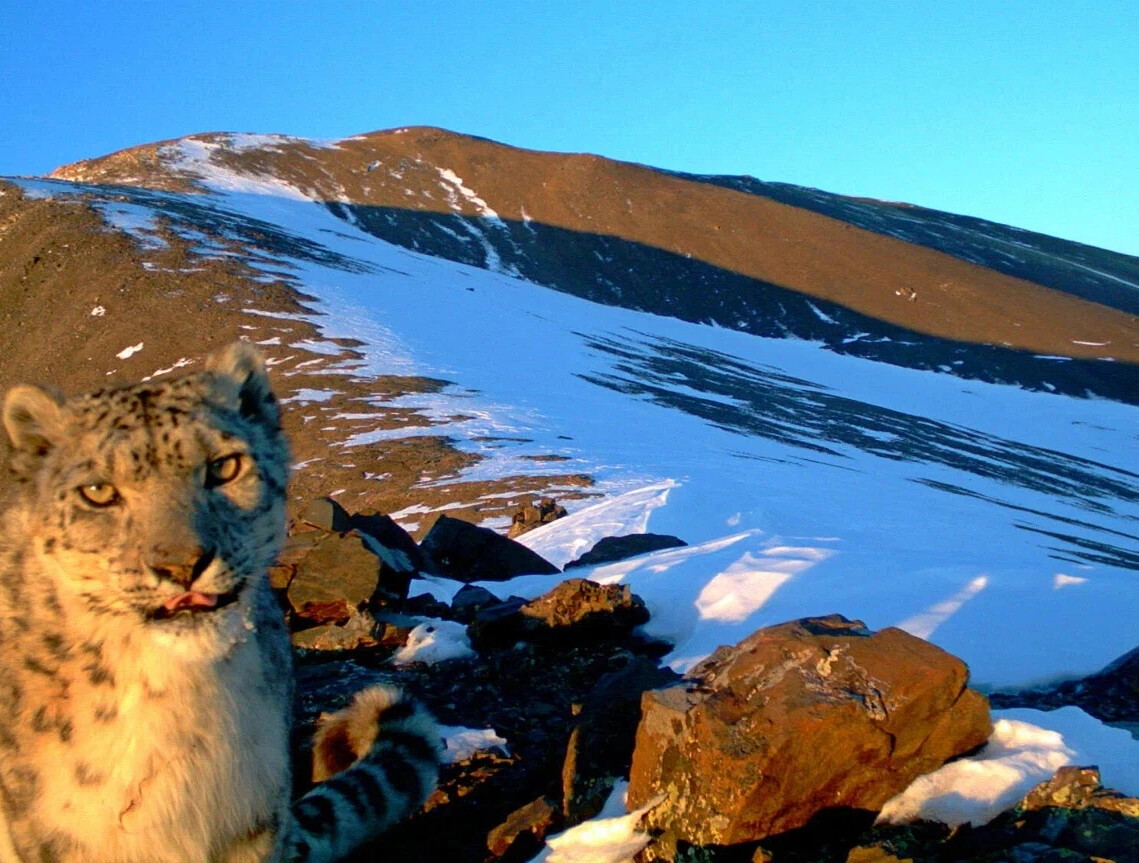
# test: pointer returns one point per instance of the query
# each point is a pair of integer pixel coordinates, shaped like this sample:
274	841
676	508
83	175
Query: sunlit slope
829	414
903	285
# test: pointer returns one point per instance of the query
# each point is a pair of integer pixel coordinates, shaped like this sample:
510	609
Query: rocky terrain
827	406
781	748
73	292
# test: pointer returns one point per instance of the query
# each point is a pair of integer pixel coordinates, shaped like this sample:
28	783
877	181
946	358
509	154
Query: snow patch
611	837
568	538
181	363
454	181
129	351
462	742
1060	580
925	624
1026	748
434	641
306	396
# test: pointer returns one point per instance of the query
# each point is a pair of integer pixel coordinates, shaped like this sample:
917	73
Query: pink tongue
192	599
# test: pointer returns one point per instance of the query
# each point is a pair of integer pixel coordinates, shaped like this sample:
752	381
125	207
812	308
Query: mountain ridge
401	174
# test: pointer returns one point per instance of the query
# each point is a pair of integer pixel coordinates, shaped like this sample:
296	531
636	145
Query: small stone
524	829
535	515
392	629
866	854
1071	787
358	632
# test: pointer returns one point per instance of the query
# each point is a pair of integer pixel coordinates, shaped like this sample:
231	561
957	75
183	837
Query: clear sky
1020	112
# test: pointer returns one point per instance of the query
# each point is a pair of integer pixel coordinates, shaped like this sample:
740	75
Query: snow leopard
146	684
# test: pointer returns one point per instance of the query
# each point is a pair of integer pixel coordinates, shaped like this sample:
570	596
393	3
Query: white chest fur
196	755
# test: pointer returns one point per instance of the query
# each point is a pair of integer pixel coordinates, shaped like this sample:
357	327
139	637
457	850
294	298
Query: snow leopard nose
179	564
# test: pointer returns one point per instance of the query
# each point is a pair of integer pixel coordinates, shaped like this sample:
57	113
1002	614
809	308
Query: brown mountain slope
74	293
909	285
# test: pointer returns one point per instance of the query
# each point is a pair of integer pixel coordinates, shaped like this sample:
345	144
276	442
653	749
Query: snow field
950	550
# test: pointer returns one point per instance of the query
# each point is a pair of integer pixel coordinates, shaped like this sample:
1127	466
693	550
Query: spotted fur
145	676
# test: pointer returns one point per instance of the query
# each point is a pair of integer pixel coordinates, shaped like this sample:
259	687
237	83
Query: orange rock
810	716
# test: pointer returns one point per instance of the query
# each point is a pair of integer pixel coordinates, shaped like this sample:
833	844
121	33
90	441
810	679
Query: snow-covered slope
997	521
978	515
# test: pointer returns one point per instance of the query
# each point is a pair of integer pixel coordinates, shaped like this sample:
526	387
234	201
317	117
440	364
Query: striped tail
376	760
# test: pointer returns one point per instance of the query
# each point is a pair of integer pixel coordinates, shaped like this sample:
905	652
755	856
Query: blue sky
1021	112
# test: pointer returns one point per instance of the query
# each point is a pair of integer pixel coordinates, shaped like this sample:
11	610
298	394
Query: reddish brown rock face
806	716
335	579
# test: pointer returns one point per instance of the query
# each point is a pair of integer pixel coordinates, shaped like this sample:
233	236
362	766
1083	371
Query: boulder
469	601
816	717
326	514
335	579
359	631
576	611
613	548
538	513
587	610
467	552
601	744
405	554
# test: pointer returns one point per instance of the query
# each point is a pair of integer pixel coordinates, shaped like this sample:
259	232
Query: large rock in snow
576	611
1111	695
612	548
817	714
467	552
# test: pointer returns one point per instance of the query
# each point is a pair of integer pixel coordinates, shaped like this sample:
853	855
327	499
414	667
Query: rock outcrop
1070	817
576	611
538	513
613	548
467	552
1111	694
817	715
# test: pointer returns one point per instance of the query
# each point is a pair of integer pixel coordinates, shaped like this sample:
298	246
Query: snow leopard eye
99	494
223	470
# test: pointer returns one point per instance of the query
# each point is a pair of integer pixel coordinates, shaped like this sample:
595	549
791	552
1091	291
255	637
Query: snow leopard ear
34	425
239	366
